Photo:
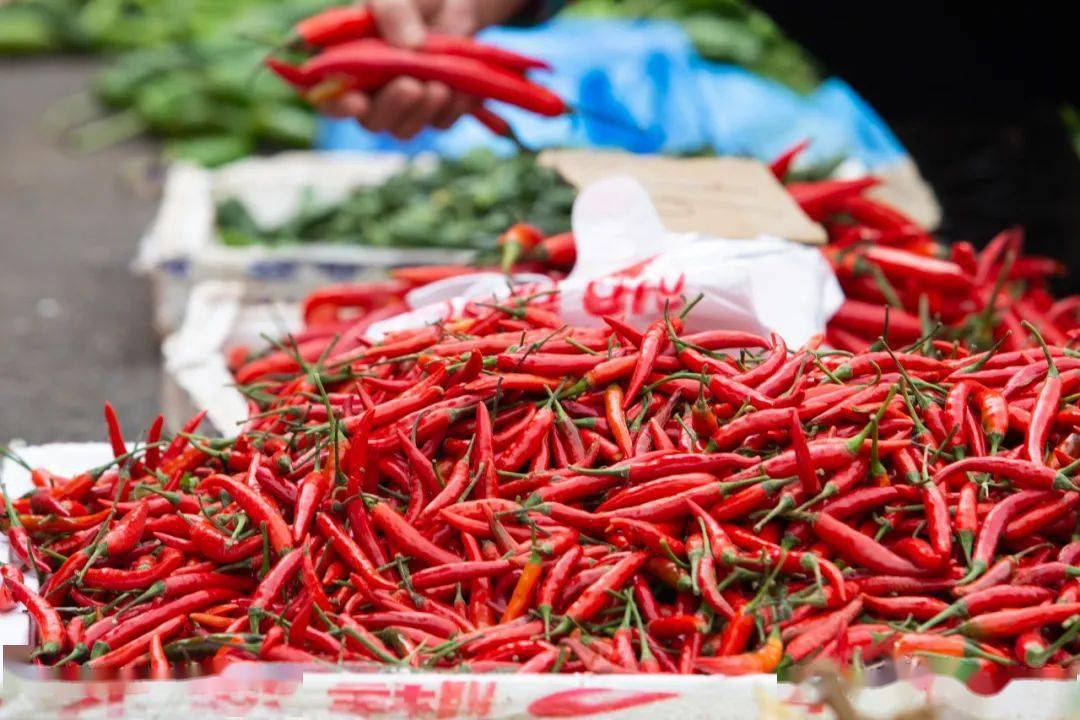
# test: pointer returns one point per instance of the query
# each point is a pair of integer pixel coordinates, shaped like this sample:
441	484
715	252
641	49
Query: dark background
974	91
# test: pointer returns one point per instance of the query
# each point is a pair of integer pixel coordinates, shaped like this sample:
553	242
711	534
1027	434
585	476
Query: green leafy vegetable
459	203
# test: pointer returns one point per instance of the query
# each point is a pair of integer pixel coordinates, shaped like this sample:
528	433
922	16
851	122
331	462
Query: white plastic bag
628	264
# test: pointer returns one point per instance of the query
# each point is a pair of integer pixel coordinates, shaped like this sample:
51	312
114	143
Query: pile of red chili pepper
889	266
502	492
350	56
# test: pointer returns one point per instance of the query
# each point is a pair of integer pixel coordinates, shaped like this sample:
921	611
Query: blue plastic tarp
640	86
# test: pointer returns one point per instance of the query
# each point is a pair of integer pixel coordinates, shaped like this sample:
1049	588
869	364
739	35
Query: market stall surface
75	325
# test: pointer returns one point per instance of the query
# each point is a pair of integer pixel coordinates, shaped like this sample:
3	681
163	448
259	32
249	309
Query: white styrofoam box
275	691
182	248
219	315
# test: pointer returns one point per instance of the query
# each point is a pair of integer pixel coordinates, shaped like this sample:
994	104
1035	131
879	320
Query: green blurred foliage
187	71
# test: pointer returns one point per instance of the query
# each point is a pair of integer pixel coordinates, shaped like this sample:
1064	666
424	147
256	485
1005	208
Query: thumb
400	22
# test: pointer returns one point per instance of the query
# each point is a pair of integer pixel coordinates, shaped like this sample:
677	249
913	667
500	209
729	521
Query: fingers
459	105
350	105
435	101
406	105
401	22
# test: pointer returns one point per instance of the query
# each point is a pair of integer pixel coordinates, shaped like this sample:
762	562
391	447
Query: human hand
405	105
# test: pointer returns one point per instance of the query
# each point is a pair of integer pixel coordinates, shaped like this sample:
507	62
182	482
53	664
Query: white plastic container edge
181	247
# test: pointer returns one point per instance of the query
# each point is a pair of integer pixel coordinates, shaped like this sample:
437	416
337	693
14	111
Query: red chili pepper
557	250
938	528
823	630
993	526
653	342
1010	623
134	648
990	599
870	319
856	547
966	520
258	508
782	163
159	662
729	390
759	661
903	585
336	25
117	634
138	579
911	644
50	628
805	463
313	488
613	405
998	573
666	464
648	535
596	596
407	539
528	443
274	581
818	198
1022	472
467	47
116	435
152	459
706	577
919	552
934	273
872	213
994	410
524	589
1040	517
788	560
466	75
1045	409
216	546
919	607
517	241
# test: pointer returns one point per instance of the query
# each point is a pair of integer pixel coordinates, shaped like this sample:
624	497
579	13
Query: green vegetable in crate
463	203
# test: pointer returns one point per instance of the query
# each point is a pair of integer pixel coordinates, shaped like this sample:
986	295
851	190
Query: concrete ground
75	325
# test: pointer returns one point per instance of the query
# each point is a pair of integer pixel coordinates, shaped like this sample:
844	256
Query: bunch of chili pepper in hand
350	56
900	279
505	492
